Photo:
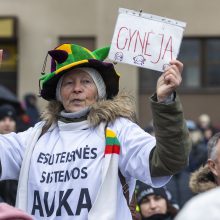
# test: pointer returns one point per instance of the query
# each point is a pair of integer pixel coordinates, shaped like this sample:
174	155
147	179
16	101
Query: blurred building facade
40	25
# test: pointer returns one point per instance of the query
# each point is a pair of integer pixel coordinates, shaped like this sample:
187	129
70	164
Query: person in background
31	109
155	203
69	163
208	176
7	119
8	188
198	154
204	206
206	127
179	184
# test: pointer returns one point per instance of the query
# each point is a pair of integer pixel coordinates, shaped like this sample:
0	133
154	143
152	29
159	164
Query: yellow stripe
89	52
65	47
118	74
110	133
70	65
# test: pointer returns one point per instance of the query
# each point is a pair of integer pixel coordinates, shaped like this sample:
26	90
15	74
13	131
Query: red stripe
112	149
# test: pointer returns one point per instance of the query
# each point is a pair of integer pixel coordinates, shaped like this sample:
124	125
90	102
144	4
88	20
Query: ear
212	166
101	53
59	55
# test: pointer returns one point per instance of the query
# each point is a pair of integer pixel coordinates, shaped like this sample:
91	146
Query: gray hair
96	77
212	149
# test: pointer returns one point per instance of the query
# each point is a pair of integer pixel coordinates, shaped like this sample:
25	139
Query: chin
73	110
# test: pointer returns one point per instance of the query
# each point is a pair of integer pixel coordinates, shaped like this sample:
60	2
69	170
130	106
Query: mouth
155	212
76	101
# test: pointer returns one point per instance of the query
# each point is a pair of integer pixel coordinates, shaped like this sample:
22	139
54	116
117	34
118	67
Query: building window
201	66
190	53
8	42
212	65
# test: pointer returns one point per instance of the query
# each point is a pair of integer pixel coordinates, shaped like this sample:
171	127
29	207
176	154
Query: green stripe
112	141
46	77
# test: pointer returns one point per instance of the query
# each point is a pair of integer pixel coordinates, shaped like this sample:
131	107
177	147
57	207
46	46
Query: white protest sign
145	40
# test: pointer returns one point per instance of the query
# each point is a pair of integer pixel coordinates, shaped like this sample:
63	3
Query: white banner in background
145	40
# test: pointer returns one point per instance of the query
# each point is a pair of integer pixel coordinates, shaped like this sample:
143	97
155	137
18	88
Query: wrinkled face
78	91
7	125
152	205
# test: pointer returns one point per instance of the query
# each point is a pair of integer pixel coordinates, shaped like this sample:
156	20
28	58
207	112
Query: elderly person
69	163
208	177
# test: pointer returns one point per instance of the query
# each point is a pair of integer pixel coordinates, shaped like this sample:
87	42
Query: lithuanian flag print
112	143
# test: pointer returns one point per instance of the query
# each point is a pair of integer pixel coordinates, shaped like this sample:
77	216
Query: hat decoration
70	56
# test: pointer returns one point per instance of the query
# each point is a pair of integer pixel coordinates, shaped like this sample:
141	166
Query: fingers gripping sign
169	80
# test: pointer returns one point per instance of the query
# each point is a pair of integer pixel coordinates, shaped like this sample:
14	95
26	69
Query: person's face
204	121
7	125
78	91
208	133
152	205
33	101
214	165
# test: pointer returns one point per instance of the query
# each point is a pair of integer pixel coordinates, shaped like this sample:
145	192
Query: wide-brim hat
70	56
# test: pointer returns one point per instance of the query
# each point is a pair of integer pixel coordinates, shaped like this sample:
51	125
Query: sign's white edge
152	17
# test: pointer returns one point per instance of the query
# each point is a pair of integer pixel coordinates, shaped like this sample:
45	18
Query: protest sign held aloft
146	40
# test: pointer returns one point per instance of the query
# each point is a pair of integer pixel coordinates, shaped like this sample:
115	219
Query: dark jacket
8	191
173	142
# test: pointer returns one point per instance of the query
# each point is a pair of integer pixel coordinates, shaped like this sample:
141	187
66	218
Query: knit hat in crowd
71	56
7	110
146	190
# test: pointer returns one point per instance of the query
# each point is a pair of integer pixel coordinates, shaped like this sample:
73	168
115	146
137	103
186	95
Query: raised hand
169	80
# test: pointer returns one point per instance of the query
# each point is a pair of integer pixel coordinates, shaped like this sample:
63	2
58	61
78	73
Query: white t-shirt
66	166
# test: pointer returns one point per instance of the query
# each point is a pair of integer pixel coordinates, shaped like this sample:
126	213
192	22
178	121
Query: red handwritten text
142	42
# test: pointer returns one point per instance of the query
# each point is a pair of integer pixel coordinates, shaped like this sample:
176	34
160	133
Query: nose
77	88
7	121
152	204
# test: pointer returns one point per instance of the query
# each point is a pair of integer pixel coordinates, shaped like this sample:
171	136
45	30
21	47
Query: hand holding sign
169	80
145	40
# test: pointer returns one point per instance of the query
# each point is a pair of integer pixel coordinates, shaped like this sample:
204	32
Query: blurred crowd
201	175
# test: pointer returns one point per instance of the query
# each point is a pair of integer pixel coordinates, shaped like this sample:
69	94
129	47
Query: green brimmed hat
70	56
